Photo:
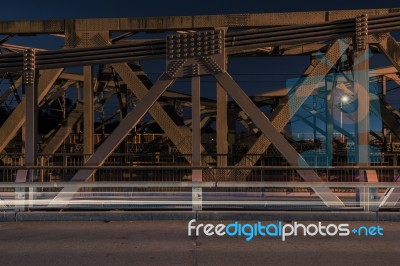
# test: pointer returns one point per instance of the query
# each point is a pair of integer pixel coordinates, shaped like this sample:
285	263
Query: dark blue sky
28	9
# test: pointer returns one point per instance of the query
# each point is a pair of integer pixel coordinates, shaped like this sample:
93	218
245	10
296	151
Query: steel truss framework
199	46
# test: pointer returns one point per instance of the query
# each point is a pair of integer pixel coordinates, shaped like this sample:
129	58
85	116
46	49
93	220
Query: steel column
330	85
88	112
196	143
361	89
222	127
31	103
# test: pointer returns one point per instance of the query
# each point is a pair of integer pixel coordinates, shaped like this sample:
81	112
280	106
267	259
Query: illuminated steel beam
31	115
88	111
185	22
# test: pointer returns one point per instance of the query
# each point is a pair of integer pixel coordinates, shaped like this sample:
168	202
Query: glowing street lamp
343	100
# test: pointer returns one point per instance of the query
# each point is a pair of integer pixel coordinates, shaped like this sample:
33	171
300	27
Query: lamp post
343	100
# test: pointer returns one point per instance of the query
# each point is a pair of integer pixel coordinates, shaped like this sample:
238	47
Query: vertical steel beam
196	144
88	112
78	126
284	147
330	84
314	116
384	128
222	128
196	127
116	137
31	103
361	89
30	134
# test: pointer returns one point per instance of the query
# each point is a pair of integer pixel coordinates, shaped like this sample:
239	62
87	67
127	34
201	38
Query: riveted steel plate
195	53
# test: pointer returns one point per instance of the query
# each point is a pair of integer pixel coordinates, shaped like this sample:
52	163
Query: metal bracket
361	32
29	66
196	53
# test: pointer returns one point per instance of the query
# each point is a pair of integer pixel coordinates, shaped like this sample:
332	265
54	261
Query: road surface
167	243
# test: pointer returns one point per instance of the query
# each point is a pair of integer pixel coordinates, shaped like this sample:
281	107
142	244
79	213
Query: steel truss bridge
204	159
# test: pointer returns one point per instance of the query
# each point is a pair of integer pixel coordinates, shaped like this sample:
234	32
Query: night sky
27	9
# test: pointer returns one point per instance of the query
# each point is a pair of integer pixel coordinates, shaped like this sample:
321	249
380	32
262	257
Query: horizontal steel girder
235	43
185	22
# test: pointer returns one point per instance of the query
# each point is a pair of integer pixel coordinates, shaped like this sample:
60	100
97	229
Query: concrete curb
289	216
103	216
200	216
7	216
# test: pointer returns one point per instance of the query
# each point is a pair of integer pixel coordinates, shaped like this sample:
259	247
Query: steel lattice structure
109	55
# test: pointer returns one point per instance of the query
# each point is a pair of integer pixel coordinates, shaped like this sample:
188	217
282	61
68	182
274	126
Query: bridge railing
162	166
149	187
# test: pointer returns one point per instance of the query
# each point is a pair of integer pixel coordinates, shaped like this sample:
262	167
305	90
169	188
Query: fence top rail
142	184
178	155
188	167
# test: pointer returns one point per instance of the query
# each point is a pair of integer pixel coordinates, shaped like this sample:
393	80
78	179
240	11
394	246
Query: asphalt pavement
166	242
